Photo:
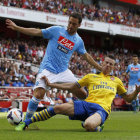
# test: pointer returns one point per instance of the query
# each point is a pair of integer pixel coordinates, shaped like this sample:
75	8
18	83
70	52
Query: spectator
2	83
68	97
5	94
47	98
58	98
21	82
15	82
8	82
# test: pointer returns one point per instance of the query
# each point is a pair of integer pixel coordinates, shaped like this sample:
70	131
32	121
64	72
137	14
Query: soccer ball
15	116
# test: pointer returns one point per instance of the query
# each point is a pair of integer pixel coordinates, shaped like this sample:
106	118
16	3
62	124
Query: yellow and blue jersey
102	89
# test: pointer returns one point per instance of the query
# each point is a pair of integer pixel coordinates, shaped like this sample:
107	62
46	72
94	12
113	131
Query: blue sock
27	122
41	116
134	105
32	107
137	103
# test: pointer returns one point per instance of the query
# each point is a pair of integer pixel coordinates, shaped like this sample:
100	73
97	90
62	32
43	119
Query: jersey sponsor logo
65	42
103	87
62	49
134	69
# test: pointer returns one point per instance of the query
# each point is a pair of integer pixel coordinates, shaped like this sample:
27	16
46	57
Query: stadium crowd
10	73
29	52
91	12
52	96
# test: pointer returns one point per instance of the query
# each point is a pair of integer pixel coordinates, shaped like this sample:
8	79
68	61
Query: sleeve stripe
78	84
123	94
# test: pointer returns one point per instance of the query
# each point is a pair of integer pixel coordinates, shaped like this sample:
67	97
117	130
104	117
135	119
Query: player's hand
123	74
46	80
137	88
10	24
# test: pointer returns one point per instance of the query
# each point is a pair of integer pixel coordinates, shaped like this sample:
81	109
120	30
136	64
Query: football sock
134	105
32	107
41	116
137	104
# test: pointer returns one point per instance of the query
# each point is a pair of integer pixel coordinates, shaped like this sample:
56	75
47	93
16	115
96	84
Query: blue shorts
83	109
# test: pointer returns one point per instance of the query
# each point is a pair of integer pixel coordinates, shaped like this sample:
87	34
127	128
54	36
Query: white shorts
63	77
131	89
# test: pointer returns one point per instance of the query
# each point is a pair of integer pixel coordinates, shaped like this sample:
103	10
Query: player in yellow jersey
95	109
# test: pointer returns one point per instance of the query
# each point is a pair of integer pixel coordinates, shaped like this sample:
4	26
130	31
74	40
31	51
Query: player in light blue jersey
134	79
62	43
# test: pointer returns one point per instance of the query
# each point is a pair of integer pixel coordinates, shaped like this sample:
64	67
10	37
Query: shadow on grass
70	130
120	131
46	130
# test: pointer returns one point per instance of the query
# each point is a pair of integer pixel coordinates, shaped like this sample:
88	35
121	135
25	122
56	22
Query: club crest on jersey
112	78
65	42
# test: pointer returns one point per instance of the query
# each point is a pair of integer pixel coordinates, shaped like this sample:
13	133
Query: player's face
135	60
108	65
73	25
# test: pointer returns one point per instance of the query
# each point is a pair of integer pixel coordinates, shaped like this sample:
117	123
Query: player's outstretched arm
130	97
28	31
64	86
91	61
72	87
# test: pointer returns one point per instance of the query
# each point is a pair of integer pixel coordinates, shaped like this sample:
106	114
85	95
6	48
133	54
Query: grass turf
119	126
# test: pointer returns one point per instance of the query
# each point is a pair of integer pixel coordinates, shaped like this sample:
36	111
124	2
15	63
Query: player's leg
131	88
96	119
134	105
65	109
33	104
92	122
137	103
38	93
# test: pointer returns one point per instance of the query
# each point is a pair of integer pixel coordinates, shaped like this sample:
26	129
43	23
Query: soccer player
134	79
94	110
62	43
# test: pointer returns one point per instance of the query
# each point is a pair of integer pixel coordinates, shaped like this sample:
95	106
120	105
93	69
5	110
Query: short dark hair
111	56
77	15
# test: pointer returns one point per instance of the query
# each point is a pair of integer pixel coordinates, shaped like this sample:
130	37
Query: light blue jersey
60	48
134	74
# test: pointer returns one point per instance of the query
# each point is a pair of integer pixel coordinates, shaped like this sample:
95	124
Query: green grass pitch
119	126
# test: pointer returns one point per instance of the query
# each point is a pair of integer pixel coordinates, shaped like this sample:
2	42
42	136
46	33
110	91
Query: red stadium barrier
21	95
24	106
5	104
